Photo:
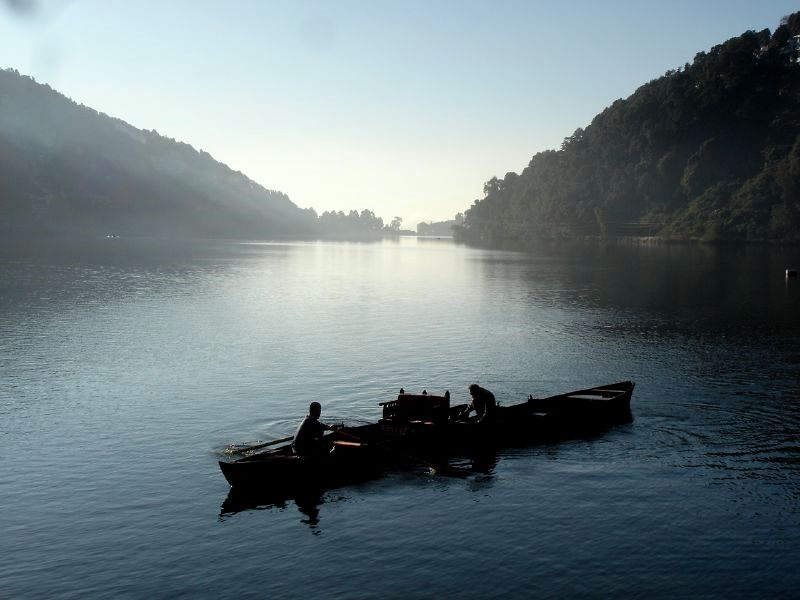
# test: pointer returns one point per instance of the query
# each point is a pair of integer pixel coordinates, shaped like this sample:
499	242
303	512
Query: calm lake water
127	367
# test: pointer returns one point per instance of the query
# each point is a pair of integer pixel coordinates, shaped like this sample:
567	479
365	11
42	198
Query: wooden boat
574	412
348	460
419	428
424	419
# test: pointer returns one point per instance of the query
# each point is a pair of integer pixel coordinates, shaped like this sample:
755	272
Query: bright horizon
403	109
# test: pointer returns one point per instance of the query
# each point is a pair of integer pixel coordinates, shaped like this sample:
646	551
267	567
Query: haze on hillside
365	115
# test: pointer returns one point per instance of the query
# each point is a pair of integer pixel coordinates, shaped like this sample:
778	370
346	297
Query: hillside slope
710	151
66	169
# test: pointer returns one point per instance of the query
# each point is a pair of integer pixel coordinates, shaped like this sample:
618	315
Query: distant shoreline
641	241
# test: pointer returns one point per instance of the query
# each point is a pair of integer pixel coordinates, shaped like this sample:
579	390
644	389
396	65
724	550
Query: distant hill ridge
710	151
66	170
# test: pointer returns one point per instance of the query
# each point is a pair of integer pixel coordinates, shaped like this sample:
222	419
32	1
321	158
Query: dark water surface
126	368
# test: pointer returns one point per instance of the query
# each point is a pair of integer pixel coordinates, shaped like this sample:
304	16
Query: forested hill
66	169
710	151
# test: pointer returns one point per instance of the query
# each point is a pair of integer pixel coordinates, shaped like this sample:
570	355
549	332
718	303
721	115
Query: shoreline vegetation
621	240
68	170
708	153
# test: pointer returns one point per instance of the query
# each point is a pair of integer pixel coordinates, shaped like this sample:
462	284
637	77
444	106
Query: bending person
483	403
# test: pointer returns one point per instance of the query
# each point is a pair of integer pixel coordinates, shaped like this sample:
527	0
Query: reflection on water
123	367
308	502
477	467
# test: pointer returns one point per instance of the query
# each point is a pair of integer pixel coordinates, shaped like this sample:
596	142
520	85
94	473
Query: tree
704	152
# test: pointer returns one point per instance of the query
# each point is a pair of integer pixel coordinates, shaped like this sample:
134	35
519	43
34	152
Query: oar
264	445
444	470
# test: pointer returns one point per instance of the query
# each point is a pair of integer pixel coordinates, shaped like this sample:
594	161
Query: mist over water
127	366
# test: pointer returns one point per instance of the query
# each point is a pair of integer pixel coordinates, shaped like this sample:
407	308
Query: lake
128	366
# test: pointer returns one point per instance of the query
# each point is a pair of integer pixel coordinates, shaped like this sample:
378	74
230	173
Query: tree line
710	151
66	170
440	228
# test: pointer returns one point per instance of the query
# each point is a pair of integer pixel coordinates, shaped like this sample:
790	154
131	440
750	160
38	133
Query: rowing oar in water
257	446
443	469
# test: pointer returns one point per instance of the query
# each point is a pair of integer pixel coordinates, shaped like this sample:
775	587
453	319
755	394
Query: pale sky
404	107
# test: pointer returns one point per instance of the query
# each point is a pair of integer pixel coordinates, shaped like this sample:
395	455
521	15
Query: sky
405	108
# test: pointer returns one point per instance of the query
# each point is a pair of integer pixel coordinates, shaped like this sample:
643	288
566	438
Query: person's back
483	402
308	437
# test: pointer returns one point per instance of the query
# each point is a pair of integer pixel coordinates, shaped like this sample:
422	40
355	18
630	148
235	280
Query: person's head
474	389
315	409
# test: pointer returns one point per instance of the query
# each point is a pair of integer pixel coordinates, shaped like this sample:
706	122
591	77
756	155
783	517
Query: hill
710	151
440	228
66	169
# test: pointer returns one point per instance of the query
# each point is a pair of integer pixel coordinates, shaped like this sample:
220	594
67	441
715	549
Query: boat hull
379	447
281	468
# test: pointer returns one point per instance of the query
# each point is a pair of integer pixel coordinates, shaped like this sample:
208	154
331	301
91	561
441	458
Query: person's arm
322	428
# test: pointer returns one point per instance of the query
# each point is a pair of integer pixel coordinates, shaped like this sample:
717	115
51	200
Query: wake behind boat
423	429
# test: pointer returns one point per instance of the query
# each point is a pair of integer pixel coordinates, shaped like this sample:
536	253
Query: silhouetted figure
483	403
308	437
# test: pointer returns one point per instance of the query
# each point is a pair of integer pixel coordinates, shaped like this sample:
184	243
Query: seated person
483	403
308	437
